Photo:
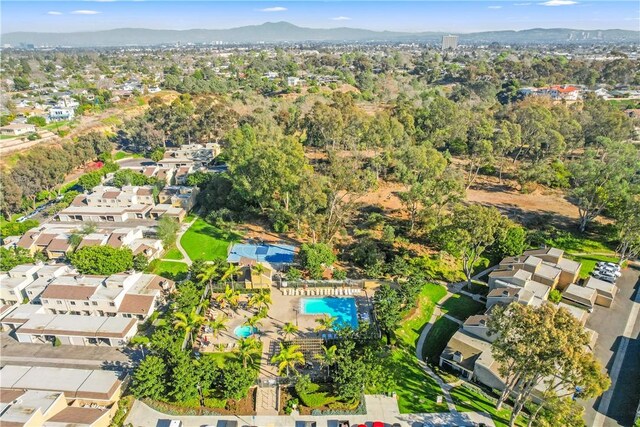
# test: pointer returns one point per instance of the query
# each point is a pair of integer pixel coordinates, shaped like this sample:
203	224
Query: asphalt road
618	332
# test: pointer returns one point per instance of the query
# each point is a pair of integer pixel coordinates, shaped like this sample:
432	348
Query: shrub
555	296
57	342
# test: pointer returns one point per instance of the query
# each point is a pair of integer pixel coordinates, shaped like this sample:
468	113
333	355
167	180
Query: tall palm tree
209	273
258	269
231	271
229	297
288	358
289	329
188	322
328	357
260	299
325	323
247	348
218	325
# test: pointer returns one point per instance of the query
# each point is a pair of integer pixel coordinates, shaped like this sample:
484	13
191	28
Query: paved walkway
379	408
183	229
437	312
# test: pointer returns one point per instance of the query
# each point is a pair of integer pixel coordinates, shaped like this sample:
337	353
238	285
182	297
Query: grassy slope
173	253
467	400
438	337
204	241
171	270
462	306
417	392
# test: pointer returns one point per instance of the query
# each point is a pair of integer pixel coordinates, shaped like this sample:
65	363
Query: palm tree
247	348
209	273
288	358
253	322
188	322
229	297
260	299
218	325
231	271
258	269
289	329
328	357
325	323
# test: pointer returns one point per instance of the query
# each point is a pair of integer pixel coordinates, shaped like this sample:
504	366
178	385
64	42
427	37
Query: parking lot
617	348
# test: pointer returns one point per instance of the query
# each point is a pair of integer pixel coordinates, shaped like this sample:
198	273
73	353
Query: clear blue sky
450	16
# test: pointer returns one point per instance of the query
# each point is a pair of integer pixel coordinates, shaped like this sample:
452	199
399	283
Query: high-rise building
449	42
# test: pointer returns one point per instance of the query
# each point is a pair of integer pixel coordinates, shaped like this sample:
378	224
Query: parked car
609	271
21	219
605	277
343	423
377	424
612	265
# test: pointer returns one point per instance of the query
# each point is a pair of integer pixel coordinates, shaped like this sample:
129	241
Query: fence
349	283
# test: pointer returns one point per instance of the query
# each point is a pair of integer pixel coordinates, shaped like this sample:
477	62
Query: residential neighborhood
341	216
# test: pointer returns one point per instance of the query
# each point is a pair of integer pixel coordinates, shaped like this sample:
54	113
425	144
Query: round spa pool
244	331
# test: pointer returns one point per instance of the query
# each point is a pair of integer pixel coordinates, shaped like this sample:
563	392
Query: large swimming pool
342	308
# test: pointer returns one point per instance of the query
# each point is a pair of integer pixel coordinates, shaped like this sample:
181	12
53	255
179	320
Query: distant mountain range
274	32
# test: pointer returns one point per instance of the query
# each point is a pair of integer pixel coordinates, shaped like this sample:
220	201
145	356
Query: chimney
458	357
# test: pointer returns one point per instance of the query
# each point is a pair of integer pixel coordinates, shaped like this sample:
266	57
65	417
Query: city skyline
408	16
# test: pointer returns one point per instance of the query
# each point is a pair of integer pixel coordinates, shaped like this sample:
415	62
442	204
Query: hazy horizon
407	16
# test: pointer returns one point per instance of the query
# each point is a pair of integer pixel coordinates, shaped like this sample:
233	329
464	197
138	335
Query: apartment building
129	295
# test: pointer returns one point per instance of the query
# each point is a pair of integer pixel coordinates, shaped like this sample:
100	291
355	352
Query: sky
413	16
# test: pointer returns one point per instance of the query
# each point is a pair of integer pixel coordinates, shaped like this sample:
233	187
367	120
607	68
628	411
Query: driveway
617	348
379	408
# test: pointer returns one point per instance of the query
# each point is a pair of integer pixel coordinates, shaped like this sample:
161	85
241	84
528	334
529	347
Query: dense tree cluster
39	171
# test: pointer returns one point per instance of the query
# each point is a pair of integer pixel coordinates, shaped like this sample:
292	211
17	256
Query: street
618	349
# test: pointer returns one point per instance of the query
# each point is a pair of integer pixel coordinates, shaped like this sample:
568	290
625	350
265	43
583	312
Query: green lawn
171	270
437	338
410	329
462	306
56	125
417	391
204	241
173	253
124	155
467	400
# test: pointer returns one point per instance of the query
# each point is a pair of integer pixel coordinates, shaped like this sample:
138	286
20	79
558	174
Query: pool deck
285	308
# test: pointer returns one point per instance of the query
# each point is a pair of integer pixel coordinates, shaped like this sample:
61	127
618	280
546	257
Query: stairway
266	401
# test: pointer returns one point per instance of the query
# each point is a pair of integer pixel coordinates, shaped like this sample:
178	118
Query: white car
611	265
609	271
605	277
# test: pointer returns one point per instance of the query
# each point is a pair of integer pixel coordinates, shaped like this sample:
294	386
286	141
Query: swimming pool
244	331
342	308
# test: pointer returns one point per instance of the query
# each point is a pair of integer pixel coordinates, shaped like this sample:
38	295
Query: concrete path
437	312
183	229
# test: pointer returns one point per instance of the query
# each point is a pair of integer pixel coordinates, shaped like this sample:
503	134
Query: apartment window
72	302
86	303
112	304
44	301
94	302
58	302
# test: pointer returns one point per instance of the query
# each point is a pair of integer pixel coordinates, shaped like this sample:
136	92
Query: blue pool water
342	308
244	331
